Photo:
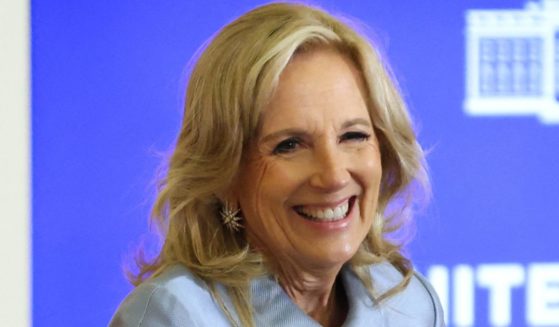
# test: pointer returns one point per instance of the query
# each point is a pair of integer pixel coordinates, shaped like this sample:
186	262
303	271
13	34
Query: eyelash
355	136
287	145
290	144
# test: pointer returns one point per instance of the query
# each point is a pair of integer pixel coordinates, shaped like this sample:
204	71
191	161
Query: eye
287	146
355	136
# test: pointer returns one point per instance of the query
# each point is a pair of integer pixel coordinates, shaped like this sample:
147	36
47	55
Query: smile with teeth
324	214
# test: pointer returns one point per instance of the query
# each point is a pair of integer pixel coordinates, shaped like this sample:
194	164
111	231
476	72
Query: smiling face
309	184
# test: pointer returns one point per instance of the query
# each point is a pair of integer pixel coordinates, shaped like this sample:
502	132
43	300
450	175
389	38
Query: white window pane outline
510	66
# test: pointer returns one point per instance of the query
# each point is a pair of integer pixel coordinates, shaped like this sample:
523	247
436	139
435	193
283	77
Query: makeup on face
309	190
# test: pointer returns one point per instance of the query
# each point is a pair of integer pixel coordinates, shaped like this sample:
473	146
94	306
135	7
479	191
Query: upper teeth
335	213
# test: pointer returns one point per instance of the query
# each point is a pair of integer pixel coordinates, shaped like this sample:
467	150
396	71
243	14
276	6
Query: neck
319	293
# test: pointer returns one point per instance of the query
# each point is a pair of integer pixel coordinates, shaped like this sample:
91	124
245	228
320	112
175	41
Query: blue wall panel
108	80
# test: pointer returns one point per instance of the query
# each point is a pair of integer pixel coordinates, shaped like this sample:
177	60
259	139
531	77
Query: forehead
321	84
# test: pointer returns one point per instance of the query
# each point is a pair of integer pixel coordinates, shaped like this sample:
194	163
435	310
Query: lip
326	225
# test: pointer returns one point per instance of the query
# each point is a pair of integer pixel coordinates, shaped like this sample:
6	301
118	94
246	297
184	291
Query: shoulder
174	298
417	303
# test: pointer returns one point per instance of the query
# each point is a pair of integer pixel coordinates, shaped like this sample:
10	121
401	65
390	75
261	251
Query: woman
294	144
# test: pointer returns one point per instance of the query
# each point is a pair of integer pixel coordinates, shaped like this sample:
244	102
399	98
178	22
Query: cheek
250	189
274	181
373	167
369	166
369	174
261	196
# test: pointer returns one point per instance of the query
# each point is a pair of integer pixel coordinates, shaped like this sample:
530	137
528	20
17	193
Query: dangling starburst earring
230	218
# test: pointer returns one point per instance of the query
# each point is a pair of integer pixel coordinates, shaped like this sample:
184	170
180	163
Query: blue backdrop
108	81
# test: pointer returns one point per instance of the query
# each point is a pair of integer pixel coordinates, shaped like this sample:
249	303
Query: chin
333	258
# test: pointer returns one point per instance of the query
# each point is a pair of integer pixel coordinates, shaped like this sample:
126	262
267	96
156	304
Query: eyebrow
300	132
357	121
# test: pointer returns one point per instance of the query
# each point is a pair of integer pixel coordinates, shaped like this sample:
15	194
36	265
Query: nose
329	169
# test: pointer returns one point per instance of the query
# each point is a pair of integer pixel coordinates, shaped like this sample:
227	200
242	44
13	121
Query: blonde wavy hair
229	85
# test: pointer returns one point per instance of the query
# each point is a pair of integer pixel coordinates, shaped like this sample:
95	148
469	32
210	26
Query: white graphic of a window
512	62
